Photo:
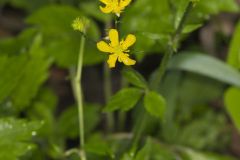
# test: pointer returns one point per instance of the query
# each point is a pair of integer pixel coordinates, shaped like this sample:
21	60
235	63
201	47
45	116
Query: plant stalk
107	95
79	99
157	77
108	87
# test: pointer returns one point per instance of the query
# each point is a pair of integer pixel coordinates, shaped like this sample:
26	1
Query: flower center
118	49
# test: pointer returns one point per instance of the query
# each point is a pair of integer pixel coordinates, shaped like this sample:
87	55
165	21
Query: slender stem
71	151
107	82
117	20
122	115
182	22
78	95
138	130
157	77
107	94
108	87
89	39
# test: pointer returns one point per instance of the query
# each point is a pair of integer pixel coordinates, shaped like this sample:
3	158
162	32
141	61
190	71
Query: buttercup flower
118	50
114	6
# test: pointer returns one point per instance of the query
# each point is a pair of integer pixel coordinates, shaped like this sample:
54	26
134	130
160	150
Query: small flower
118	50
114	6
80	24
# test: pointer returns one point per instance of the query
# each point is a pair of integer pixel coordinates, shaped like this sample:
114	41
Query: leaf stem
78	96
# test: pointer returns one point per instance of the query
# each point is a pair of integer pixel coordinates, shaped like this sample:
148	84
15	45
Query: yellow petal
112	60
104	47
117	11
129	41
106	1
123	57
113	36
115	2
124	3
107	9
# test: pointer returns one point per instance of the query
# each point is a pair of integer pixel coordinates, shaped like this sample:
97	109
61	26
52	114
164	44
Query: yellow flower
114	6
118	50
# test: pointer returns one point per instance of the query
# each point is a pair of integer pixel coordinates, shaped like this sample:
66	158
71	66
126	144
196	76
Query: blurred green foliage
15	137
180	121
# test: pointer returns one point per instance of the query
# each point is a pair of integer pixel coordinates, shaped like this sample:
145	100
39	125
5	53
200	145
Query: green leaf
15	137
190	28
68	120
193	132
155	20
234	53
182	6
190	154
43	108
161	20
11	72
92	9
61	41
204	9
154	151
201	89
98	145
20	42
35	72
13	59
187	114
124	100
232	103
22	75
207	66
217	6
148	20
155	104
135	78
28	4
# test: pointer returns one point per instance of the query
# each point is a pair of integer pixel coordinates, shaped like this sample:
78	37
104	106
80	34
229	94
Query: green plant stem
180	27
71	152
116	22
78	96
122	115
108	87
138	130
107	94
159	75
